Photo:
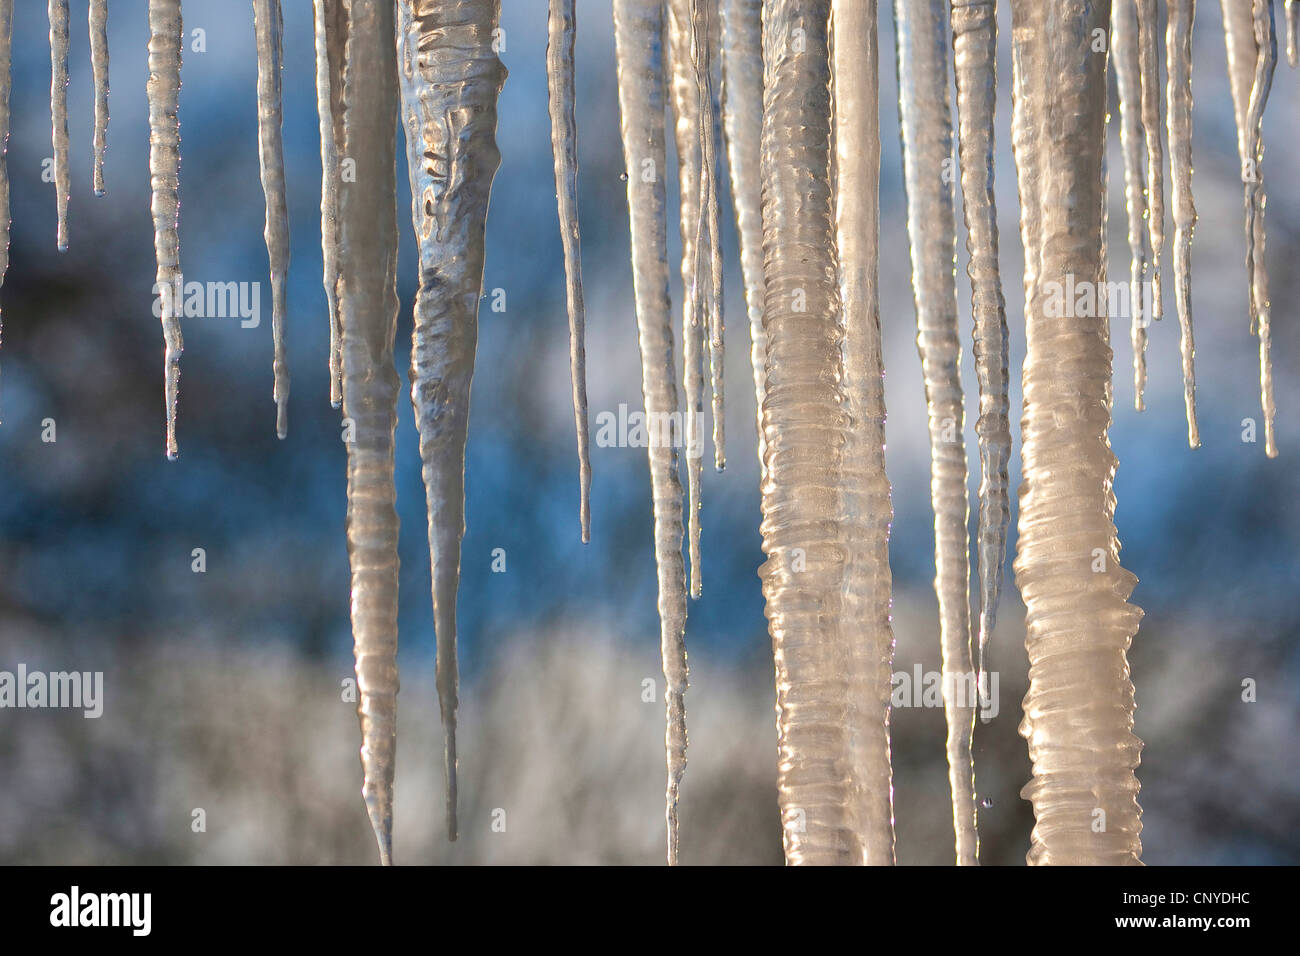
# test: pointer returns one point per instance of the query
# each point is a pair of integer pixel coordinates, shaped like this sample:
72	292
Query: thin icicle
6	87
974	44
1266	61
864	531
1149	83
330	38
98	18
1079	708
1178	56
368	310
923	50
707	37
58	10
805	422
561	27
696	283
638	33
165	34
451	77
268	24
1124	58
742	110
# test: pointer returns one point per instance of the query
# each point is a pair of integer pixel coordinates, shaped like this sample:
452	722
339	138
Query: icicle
98	17
1124	55
368	310
269	27
6	87
921	30
564	144
164	86
868	510
1079	708
58	10
805	425
638	32
1178	43
974	44
742	110
1292	29
1149	82
451	77
330	37
707	37
691	132
1250	73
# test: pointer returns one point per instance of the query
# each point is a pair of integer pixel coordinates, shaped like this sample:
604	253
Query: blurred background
224	690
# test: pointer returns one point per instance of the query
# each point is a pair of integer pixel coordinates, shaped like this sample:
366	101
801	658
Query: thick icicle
330	38
805	425
921	30
98	19
638	33
268	24
451	77
867	508
368	310
1079	708
1252	54
561	27
1149	84
742	111
165	33
1124	58
685	59
6	87
58	11
974	45
1178	56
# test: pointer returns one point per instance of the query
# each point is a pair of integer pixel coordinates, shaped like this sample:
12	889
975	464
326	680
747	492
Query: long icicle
1266	61
1079	708
742	111
368	309
98	22
1125	61
974	44
58	11
690	135
451	77
1178	56
1149	92
268	25
707	34
921	30
6	87
561	27
330	38
805	422
638	33
864	531
165	33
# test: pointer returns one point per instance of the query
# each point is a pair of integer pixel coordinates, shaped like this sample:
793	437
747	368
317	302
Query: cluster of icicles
790	89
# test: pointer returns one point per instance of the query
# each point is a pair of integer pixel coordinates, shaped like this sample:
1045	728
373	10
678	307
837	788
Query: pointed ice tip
382	823
101	192
62	245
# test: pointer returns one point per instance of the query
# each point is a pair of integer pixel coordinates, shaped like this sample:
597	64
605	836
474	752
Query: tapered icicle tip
449	768
380	809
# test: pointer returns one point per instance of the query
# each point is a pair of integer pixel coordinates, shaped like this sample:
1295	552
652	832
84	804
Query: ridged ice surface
1125	61
866	591
451	77
330	32
561	28
163	89
742	111
1078	712
268	25
368	310
805	426
1178	44
58	11
97	17
923	52
638	33
974	43
1149	92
